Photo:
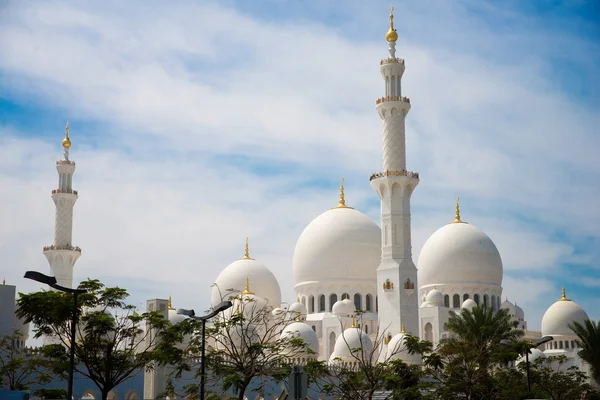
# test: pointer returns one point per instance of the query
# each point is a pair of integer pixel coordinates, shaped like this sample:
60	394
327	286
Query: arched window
376	303
572	344
566	344
476	299
498	303
332	300
446	301
366	329
560	344
368	301
465	296
429	332
456	301
311	304
331	343
314	328
322	303
494	302
358	301
486	300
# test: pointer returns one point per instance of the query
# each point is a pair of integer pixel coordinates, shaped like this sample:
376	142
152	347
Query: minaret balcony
391	61
387	173
393	98
59	162
55	191
66	247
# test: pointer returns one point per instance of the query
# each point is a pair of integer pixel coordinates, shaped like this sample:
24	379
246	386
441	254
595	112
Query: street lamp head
39	277
543	339
222	306
187	313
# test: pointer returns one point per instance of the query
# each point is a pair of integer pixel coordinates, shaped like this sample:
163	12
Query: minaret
397	274
62	255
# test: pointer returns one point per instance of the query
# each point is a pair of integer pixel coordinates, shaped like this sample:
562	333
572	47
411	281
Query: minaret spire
457	219
342	203
397	273
247	252
62	255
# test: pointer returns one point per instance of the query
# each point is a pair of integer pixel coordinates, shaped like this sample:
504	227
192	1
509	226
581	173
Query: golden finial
170	304
353	323
66	143
297	299
247	252
457	215
247	290
298	318
391	35
564	295
342	203
403	330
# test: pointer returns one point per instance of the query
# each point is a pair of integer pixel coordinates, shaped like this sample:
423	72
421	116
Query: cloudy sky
196	124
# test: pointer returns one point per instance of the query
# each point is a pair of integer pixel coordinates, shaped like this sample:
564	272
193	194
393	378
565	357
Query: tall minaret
397	274
62	255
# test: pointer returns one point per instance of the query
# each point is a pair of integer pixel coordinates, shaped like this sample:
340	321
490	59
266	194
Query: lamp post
190	313
51	281
535	343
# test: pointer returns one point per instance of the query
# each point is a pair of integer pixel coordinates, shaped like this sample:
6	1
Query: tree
21	367
51	394
369	367
589	342
246	346
111	343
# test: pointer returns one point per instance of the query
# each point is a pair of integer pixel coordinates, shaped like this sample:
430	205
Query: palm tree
482	326
589	342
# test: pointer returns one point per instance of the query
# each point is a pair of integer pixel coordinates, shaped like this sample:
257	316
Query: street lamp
535	343
190	313
51	281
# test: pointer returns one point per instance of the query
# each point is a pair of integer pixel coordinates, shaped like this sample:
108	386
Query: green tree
21	367
245	346
51	394
111	344
589	342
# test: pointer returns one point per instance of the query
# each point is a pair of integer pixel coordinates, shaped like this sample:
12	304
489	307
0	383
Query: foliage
111	344
51	394
21	367
589	342
245	346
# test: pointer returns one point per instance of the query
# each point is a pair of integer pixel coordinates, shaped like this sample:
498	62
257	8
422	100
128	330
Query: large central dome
459	253
340	244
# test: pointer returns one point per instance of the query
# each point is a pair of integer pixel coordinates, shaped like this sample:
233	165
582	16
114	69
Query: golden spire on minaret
66	143
342	203
247	252
391	35
403	330
247	290
564	295
457	215
170	304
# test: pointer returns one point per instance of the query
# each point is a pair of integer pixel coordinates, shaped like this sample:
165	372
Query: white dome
350	307
469	304
175	318
340	243
278	312
298	308
339	308
507	305
519	313
459	253
559	315
303	331
396	349
261	281
351	339
435	298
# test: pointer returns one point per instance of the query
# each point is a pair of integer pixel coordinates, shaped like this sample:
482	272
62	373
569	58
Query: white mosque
344	262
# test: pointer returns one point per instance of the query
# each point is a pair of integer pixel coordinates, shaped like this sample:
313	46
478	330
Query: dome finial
391	35
353	323
247	252
564	295
457	219
342	203
403	329
247	290
66	143
170	304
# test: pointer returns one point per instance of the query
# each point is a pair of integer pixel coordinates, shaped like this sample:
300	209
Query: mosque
344	262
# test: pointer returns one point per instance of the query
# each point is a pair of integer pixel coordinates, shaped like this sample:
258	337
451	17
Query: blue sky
196	124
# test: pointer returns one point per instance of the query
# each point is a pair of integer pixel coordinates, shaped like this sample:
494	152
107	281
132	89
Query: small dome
278	312
560	315
234	276
459	253
298	308
468	304
519	313
351	339
339	308
175	318
303	331
507	305
349	305
341	242
435	297
396	349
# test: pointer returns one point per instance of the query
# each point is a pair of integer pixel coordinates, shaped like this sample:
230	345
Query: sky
196	124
